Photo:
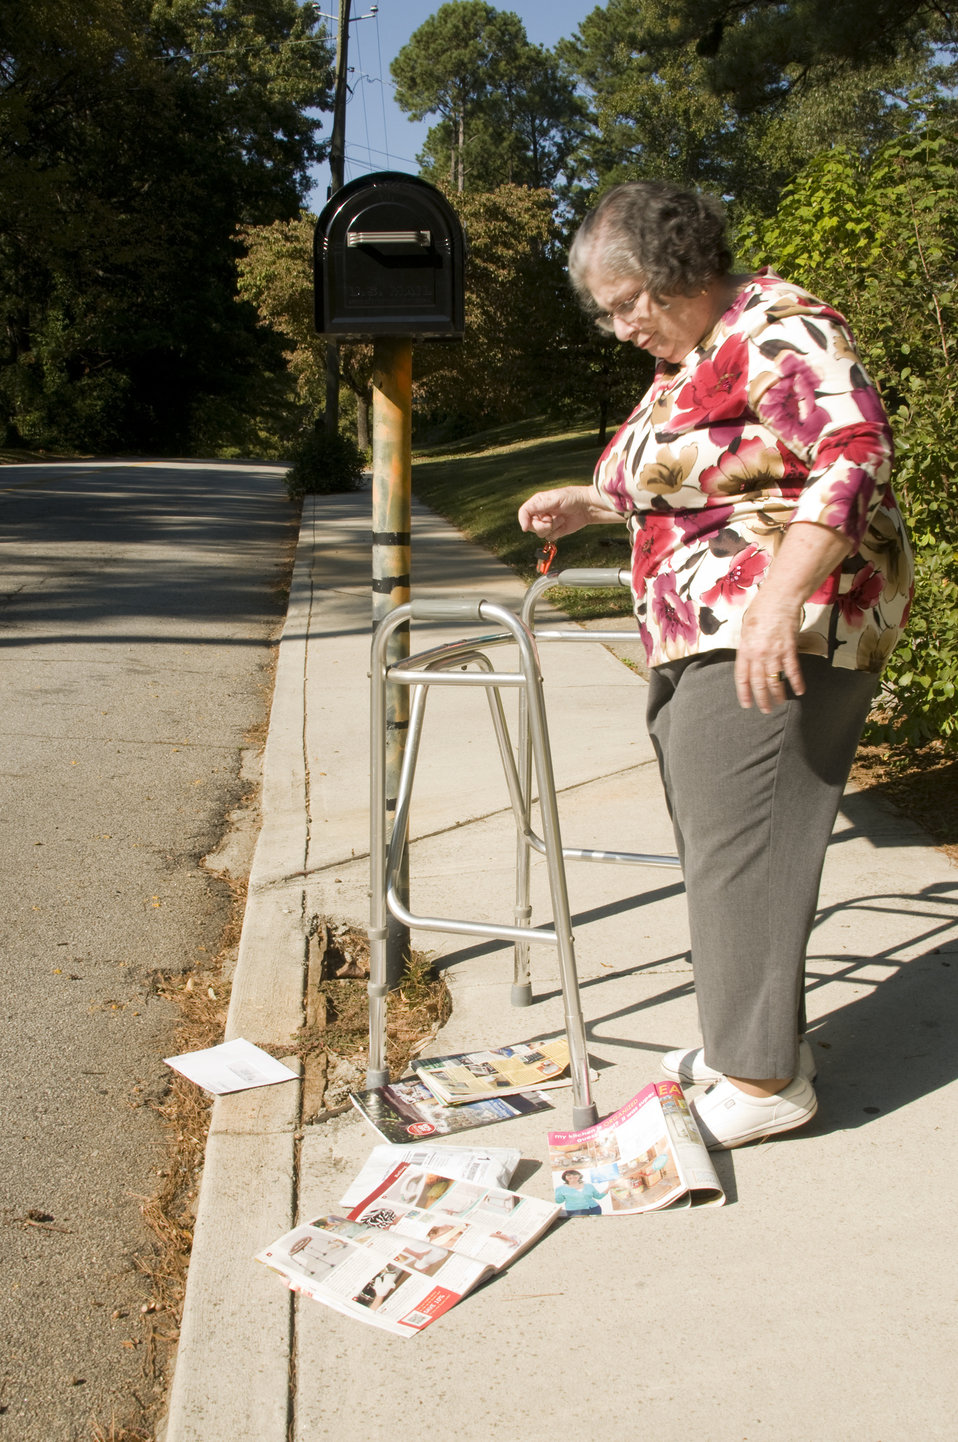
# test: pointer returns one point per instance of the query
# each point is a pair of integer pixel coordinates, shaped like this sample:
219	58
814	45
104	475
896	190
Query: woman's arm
767	649
813	394
557	513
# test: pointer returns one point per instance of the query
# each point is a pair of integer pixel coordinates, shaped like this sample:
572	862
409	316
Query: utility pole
337	173
337	146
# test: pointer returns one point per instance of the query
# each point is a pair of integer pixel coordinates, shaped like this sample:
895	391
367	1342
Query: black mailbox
389	260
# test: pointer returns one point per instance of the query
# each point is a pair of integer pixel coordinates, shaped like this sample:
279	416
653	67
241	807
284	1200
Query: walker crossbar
419	672
592	578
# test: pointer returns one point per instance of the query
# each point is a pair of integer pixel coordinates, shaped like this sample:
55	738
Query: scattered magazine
407	1109
649	1154
475	1075
412	1246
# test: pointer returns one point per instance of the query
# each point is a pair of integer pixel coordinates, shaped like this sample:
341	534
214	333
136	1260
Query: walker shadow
891	799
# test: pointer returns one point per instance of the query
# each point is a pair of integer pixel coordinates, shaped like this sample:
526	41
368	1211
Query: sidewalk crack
338	862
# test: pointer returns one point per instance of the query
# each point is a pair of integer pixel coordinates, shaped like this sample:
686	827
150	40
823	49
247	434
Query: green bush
322	465
920	682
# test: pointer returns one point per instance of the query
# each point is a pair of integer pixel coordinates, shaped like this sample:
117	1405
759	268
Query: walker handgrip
595	576
446	608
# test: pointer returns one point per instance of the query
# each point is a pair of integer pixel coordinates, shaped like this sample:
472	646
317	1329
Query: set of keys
544	557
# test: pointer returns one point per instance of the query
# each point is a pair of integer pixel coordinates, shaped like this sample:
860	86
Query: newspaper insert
647	1155
397	1285
408	1249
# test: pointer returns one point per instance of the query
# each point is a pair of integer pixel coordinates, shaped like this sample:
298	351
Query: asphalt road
137	605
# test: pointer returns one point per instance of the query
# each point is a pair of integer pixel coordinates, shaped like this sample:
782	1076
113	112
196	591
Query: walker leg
521	981
584	1113
377	1074
521	994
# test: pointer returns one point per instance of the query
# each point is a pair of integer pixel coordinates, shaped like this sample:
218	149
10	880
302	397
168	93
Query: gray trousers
753	801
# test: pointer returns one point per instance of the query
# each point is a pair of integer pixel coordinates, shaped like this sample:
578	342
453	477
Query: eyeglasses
623	311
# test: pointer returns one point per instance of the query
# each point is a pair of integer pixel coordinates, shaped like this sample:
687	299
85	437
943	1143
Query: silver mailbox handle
388	237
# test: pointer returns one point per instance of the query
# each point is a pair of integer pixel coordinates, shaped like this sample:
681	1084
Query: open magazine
404	1252
647	1155
407	1109
471	1076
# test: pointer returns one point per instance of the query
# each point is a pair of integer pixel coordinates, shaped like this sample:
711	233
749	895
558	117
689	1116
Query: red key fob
544	557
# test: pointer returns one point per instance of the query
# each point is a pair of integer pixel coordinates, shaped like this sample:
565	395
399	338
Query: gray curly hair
670	238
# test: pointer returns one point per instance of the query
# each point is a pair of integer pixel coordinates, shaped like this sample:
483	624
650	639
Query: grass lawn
13	456
479	485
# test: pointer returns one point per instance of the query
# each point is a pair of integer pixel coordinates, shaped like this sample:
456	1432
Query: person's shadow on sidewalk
892	1042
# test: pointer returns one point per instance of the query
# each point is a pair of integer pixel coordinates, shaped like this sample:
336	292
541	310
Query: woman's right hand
557	513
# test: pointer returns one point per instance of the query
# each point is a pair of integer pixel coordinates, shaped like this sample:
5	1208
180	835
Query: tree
650	112
542	111
759	52
654	112
527	349
275	275
513	283
117	249
265	72
506	111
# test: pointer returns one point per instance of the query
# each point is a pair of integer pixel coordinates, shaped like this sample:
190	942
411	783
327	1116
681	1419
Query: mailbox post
389	264
391	545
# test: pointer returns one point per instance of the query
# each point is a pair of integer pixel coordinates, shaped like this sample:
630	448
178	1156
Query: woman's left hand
768	651
767	654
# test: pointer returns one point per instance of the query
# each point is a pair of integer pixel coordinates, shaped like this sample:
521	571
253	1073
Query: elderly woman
771	577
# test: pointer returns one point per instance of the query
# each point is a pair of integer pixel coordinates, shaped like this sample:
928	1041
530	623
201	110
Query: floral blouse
772	419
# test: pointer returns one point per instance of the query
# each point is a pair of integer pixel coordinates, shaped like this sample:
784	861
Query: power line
362	90
382	93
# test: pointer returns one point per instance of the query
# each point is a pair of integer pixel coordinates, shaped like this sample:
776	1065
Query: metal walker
449	664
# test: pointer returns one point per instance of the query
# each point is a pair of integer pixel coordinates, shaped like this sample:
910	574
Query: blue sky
378	135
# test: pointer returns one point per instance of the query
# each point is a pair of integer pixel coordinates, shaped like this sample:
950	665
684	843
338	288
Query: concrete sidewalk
819	1302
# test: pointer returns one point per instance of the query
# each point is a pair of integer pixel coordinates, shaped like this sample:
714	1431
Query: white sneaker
691	1068
728	1118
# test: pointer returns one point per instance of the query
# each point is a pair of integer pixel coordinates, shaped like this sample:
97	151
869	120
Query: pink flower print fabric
747	568
718	387
771	420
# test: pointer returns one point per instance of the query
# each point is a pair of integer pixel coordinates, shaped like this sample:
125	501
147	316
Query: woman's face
667	329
